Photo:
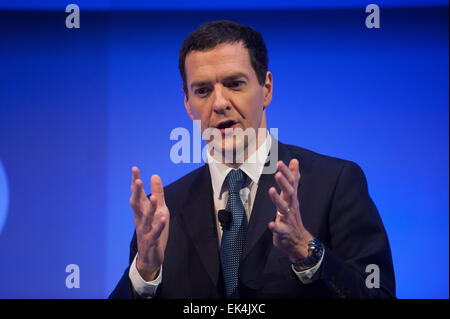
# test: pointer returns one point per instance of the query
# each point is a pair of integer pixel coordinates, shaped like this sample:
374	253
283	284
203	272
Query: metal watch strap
315	247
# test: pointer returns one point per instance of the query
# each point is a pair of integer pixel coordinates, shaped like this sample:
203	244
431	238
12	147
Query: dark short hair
211	34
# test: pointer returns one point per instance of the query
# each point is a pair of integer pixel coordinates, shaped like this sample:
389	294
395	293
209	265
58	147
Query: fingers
288	179
153	200
281	205
157	190
272	226
286	202
278	228
286	188
294	167
287	223
291	173
286	172
143	208
137	188
135	174
158	228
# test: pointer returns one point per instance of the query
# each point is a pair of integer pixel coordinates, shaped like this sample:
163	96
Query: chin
233	151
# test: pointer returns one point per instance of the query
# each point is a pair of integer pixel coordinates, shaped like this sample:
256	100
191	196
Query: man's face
224	91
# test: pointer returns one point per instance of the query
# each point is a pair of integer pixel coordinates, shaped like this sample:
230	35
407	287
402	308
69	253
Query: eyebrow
231	77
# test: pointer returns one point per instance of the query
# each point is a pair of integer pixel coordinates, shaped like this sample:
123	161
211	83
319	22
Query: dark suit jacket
335	206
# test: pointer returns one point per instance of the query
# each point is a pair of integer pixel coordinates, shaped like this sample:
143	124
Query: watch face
316	249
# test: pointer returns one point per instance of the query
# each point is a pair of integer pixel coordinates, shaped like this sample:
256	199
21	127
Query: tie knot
235	179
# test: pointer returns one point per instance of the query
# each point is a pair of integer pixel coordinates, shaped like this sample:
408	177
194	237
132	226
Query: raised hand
289	234
151	218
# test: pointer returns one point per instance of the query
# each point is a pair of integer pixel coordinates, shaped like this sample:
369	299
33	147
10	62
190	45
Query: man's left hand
289	234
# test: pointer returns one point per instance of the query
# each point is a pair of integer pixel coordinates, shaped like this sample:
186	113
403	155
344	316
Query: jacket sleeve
124	289
356	239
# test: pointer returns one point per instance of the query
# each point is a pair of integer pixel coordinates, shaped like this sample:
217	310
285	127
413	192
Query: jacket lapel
200	223
263	209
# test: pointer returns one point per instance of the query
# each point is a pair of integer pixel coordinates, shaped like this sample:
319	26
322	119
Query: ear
268	89
188	107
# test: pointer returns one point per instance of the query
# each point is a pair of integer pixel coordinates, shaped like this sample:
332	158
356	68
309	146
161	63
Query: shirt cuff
145	289
306	276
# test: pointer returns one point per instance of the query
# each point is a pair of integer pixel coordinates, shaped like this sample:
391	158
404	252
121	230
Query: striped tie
233	237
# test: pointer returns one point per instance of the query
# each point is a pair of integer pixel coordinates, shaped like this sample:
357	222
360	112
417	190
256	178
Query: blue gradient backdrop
79	107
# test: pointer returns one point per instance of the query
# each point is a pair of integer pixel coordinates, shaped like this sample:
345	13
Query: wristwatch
315	249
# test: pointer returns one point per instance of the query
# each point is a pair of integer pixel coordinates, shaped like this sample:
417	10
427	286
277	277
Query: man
308	231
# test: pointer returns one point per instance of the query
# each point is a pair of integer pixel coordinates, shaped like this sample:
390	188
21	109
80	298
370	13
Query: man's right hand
151	218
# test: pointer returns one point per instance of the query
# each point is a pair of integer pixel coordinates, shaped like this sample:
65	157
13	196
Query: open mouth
222	126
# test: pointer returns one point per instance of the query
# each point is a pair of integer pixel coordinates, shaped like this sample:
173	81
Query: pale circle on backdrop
4	196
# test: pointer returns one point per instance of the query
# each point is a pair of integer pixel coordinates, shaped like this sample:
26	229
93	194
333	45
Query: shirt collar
252	167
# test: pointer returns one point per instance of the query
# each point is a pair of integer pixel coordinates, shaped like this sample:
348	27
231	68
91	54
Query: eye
203	91
235	84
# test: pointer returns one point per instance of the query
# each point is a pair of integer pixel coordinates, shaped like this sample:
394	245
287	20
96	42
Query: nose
220	102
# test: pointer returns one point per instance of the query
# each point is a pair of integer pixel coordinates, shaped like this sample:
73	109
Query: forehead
223	60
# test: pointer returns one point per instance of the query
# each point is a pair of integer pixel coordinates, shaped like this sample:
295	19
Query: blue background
79	107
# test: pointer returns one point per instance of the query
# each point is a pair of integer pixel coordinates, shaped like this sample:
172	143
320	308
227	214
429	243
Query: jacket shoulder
314	161
179	189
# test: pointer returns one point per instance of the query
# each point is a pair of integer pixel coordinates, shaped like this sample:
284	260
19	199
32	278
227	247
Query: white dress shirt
252	167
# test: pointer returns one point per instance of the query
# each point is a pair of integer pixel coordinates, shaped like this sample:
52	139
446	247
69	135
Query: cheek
196	111
254	106
200	112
